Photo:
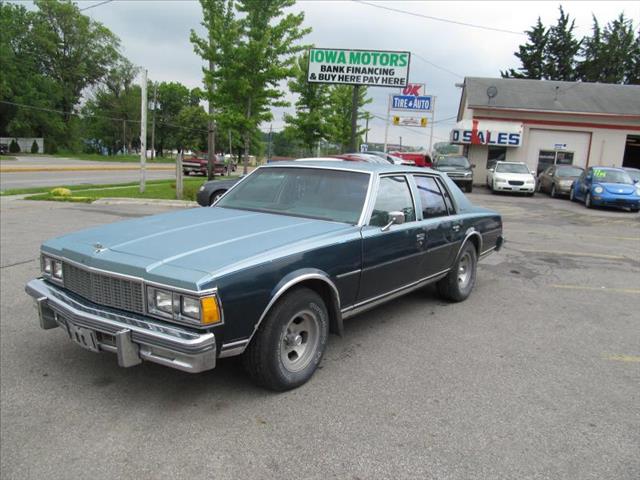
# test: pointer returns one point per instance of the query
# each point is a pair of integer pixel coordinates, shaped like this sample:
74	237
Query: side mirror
533	172
473	165
395	218
491	170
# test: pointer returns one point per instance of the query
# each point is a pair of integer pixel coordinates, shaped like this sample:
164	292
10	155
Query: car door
442	231
547	179
584	184
390	253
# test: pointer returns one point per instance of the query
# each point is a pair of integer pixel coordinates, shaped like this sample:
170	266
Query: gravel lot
536	375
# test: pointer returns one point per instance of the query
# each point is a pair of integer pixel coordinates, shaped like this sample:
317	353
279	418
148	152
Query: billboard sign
410	121
423	103
372	68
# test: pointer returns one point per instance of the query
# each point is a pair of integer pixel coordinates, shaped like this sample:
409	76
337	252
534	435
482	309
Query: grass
94	157
25	191
159	189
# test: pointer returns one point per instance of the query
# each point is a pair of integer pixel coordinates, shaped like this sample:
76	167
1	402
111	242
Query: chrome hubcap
300	341
464	270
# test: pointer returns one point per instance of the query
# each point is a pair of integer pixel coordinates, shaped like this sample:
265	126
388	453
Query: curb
88	168
144	201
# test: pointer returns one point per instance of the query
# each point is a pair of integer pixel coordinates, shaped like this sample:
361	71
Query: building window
496	154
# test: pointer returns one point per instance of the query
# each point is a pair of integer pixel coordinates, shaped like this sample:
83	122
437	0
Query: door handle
420	239
456	228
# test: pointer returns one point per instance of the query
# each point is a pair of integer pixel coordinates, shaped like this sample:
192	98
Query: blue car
606	187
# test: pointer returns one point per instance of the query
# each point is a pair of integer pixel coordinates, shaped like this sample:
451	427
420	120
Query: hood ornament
98	247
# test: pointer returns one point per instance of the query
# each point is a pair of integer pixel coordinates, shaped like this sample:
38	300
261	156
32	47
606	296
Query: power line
95	5
79	115
437	66
439	19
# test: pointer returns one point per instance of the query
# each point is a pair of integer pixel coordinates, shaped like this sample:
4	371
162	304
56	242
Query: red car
419	159
197	164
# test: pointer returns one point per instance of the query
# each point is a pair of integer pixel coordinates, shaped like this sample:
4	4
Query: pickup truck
197	164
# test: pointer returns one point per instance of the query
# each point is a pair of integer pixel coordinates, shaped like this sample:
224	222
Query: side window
447	197
393	196
433	204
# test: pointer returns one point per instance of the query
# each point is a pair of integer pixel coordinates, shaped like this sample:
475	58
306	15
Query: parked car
275	265
390	158
634	173
511	177
212	190
606	187
458	169
4	148
557	179
414	158
197	164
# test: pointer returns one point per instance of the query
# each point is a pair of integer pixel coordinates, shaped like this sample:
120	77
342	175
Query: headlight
598	189
51	268
638	190
201	188
185	308
468	174
500	179
529	182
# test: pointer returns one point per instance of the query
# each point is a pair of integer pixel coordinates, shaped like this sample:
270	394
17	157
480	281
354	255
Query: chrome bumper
132	337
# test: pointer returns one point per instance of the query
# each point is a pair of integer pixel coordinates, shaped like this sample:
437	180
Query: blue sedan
606	187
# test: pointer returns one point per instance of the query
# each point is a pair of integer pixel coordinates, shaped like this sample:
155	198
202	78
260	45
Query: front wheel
459	282
587	201
553	191
572	195
215	196
469	188
290	342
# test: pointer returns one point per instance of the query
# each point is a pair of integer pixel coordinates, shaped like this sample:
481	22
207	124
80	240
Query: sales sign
421	103
409	121
373	68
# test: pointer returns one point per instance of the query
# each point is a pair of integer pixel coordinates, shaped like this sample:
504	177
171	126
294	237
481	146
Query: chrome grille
516	182
104	289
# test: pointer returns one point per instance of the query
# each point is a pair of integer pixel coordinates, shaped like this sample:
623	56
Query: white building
541	122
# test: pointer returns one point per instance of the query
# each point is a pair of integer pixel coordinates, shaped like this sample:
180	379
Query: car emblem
99	248
620	191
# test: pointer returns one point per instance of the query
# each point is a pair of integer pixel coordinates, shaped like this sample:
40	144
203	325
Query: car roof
365	167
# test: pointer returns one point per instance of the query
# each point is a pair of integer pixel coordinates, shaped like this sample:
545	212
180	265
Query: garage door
549	146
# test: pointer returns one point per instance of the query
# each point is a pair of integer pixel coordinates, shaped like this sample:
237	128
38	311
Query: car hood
188	248
618	188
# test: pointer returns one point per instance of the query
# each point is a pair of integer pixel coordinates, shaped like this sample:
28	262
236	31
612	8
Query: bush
61	192
14	147
34	147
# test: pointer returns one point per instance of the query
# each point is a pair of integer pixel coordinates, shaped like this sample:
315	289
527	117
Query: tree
621	51
74	50
531	54
14	147
191	129
339	117
561	50
34	147
309	123
112	115
172	98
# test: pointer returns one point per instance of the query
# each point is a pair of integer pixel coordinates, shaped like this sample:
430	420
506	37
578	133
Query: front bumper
563	189
461	181
622	201
506	187
133	338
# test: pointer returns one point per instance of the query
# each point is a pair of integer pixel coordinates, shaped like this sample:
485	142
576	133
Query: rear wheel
290	342
459	282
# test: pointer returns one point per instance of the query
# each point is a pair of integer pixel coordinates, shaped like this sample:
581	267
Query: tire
290	342
539	187
553	193
459	282
493	187
572	195
587	201
215	196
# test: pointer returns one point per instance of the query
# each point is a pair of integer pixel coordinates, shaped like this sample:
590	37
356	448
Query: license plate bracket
84	337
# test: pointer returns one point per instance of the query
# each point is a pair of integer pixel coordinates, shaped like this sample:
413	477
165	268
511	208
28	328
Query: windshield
512	168
611	176
303	192
568	172
634	174
453	162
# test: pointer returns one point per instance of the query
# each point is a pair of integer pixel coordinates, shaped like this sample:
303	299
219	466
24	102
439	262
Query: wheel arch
316	280
473	236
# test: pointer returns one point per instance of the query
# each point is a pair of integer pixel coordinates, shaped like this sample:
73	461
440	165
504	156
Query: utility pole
270	137
386	124
211	139
400	142
124	137
366	129
153	122
354	118
433	120
143	131
230	154
179	175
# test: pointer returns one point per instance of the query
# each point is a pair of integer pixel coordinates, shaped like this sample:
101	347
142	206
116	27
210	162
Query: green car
267	272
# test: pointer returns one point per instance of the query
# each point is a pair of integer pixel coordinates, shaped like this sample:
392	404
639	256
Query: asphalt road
535	376
10	180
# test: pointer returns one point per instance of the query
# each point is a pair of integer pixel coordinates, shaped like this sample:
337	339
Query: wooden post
354	118
143	132
179	176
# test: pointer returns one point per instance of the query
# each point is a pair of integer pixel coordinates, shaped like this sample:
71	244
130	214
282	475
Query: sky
155	34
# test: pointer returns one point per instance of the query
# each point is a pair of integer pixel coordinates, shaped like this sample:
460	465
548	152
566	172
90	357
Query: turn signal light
210	311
